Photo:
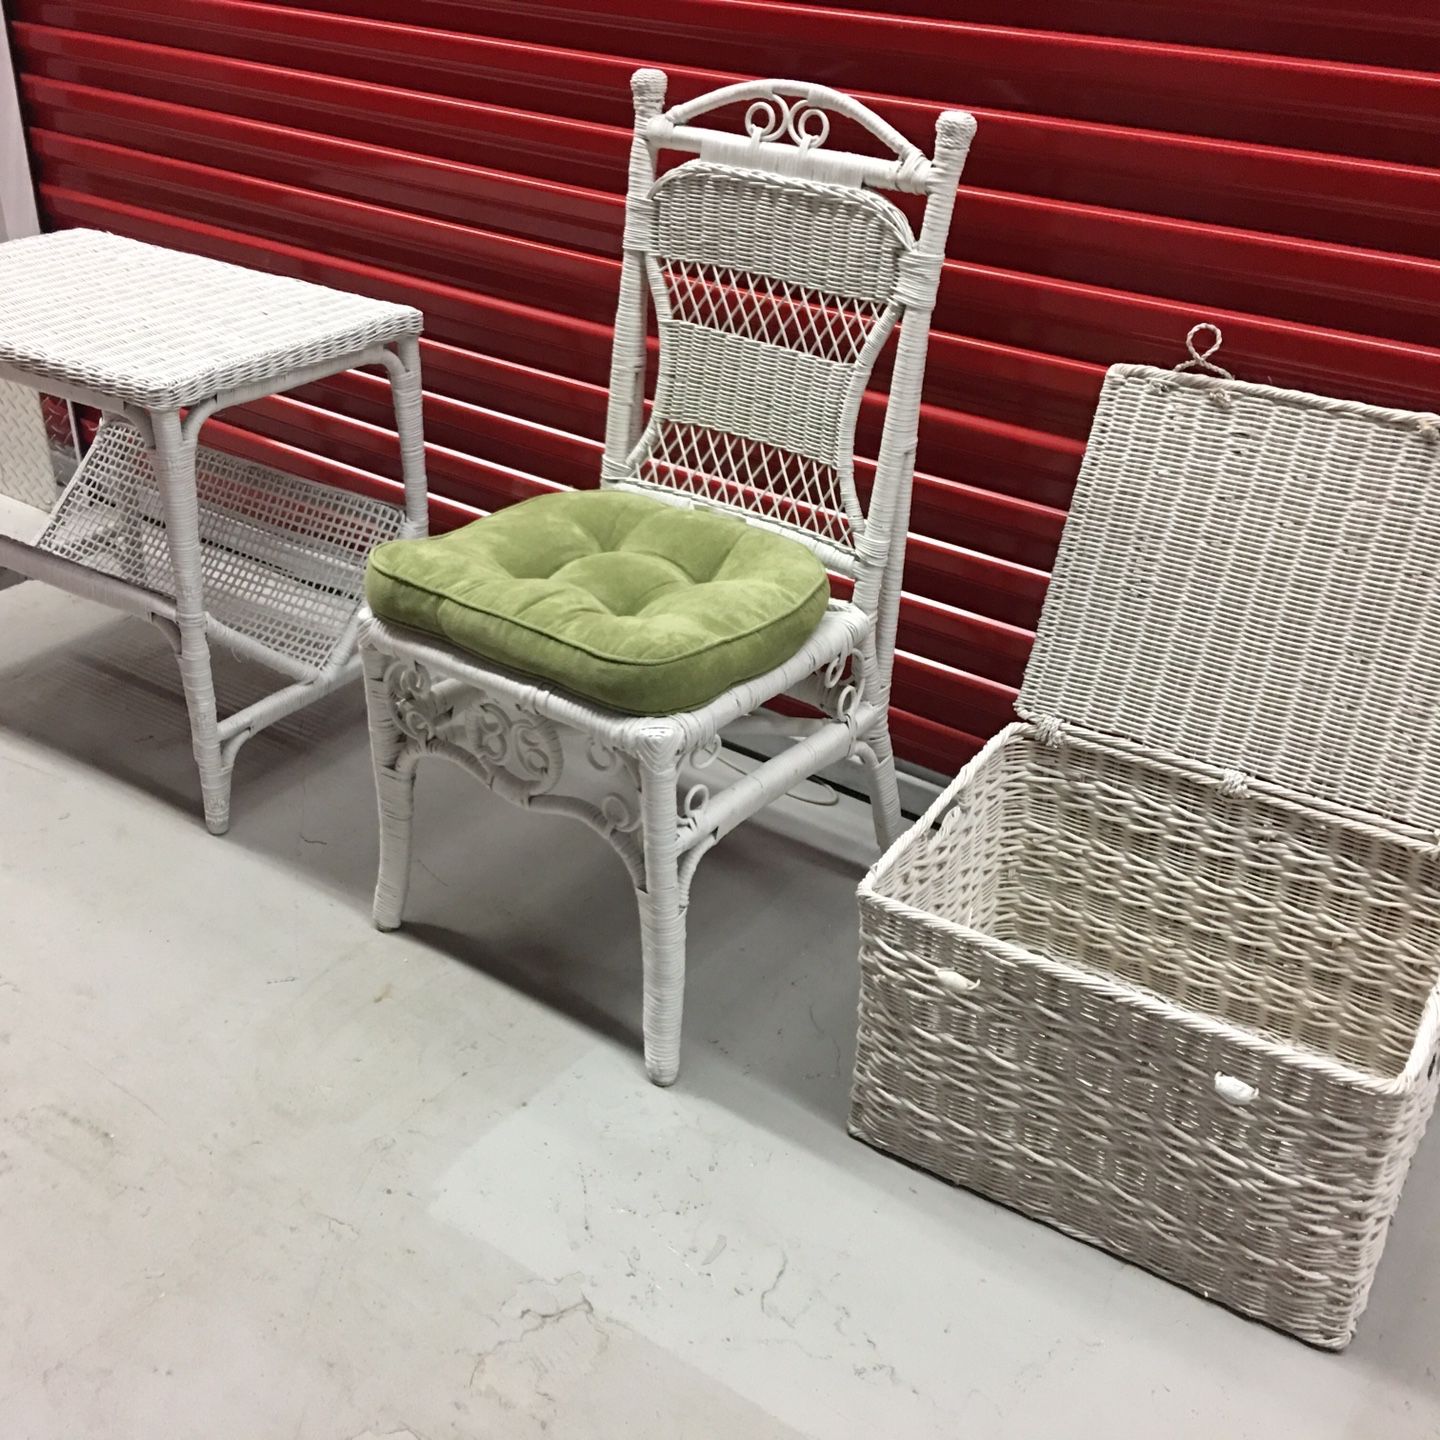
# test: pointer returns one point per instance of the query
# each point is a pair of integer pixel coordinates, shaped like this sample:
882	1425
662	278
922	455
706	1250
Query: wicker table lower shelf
283	559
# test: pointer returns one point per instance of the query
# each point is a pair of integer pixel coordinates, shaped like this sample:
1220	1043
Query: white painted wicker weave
27	471
776	275
283	559
204	545
1160	966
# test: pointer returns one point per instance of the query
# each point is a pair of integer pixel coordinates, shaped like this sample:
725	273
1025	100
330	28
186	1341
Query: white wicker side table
207	546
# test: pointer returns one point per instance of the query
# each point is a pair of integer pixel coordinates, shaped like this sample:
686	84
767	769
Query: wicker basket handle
1200	359
953	982
1234	1091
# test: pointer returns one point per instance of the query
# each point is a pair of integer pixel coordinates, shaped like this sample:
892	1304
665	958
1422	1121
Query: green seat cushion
614	596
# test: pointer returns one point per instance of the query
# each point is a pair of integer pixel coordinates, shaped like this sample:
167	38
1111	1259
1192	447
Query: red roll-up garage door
1272	168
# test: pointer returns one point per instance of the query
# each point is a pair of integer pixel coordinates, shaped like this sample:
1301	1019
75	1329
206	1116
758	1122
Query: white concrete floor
267	1173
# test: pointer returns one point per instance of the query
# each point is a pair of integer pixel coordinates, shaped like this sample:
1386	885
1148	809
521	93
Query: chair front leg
394	792
662	905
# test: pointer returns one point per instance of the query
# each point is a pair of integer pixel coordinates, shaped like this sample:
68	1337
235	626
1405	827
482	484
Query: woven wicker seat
777	275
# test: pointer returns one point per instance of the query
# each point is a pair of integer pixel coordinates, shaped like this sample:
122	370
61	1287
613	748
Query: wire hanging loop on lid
1201	362
1200	359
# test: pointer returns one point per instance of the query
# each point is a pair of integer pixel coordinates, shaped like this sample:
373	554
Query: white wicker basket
1160	965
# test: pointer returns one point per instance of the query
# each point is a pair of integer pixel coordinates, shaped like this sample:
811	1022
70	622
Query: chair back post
881	555
625	417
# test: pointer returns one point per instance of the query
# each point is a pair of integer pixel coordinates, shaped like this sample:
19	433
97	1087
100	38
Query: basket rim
1410	1077
1276	394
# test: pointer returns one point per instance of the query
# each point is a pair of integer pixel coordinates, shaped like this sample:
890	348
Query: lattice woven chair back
777	276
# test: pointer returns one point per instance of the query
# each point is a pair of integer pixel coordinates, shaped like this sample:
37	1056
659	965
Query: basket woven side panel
1250	578
1083	1094
27	472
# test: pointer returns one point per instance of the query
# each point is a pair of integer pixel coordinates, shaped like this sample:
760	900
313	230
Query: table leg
173	454
409	422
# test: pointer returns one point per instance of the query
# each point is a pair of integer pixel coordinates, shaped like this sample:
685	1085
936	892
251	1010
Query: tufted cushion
617	597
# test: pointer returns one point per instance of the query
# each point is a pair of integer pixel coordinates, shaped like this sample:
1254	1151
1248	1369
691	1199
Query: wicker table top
161	328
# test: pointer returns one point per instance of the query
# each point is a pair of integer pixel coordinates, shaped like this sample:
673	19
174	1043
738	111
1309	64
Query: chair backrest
777	275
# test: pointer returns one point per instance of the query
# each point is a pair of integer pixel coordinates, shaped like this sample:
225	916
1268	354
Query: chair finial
647	85
954	130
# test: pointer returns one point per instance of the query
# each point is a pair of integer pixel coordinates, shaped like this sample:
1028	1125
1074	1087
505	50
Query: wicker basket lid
1250	579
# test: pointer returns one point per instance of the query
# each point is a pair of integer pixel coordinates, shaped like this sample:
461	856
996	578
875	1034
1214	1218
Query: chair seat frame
642	781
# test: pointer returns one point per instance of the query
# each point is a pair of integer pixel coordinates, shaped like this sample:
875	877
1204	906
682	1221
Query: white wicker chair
769	238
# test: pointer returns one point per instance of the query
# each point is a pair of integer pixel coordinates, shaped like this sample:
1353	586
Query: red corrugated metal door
1272	168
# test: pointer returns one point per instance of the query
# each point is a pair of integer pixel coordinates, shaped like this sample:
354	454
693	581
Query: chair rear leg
394	794
879	760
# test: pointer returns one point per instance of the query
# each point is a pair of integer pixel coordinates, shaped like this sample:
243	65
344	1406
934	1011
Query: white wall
17	193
